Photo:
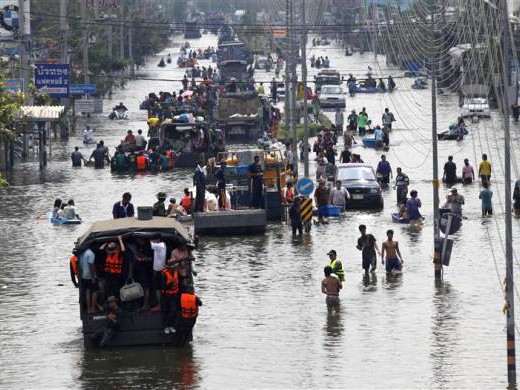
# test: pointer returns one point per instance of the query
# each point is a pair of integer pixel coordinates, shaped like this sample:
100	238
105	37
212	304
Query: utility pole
24	41
304	80
83	10
287	106
509	285
64	31
110	37
122	33
130	45
294	79
437	261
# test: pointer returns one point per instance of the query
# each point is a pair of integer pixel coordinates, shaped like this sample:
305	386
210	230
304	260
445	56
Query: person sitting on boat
130	137
120	107
169	59
187	201
56	208
87	136
104	336
161	64
403	213
381	86
412	208
159	208
69	211
455	201
370	82
175	209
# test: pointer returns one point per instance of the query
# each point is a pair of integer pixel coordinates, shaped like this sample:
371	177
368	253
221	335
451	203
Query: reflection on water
140	368
444	332
393	280
370	282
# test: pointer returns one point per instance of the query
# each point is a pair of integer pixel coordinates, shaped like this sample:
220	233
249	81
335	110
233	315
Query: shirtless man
394	260
330	286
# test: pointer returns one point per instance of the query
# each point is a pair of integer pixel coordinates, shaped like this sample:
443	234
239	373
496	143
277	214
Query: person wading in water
330	286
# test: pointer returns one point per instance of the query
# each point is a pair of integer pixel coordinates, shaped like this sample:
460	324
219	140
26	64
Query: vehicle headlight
375	191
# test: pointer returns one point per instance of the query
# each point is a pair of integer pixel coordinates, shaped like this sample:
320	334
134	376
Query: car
331	96
263	63
475	106
327	77
361	182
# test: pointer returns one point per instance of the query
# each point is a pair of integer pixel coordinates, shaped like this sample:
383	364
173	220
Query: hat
111	299
453	189
161	195
331	252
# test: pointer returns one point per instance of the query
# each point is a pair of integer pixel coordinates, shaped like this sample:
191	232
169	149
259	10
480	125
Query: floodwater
264	323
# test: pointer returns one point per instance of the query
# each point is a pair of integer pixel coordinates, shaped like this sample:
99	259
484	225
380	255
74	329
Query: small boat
458	180
63	221
360	89
372	143
450	136
395	218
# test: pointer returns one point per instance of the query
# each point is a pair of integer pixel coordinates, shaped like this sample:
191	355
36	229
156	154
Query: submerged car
361	182
475	106
332	96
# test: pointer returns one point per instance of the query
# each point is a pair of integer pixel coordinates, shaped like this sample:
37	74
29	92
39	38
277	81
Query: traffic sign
305	186
84	105
306	209
82	89
13	85
53	79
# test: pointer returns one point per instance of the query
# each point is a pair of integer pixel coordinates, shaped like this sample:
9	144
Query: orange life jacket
74	264
114	263
141	162
189	308
172	282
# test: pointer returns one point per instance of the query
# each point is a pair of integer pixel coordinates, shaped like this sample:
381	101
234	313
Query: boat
119	115
361	89
395	218
137	327
63	221
448	135
372	143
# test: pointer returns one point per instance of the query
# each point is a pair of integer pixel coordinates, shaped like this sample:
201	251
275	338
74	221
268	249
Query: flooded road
264	322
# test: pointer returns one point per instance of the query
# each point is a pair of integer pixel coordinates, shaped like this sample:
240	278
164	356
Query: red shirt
186	203
129	138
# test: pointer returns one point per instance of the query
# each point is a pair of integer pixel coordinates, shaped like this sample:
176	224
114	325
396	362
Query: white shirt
290	157
159	255
69	212
339	196
86	258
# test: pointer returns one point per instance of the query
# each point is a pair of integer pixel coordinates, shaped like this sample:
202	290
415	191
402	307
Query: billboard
10	19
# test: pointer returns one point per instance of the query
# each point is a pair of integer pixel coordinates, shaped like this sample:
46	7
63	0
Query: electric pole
64	31
122	33
437	261
83	10
293	88
287	106
24	40
505	87
304	80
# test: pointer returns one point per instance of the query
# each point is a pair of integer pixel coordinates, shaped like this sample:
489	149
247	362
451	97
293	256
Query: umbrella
187	94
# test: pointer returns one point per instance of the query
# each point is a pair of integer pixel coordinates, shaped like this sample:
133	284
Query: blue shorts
393	264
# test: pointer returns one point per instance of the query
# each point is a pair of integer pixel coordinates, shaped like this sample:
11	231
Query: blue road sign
305	186
82	89
53	79
13	85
